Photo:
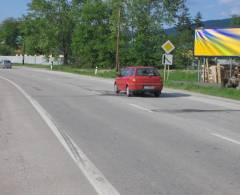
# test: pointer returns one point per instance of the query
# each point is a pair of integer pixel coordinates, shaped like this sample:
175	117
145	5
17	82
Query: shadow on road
106	93
163	95
174	95
195	110
145	95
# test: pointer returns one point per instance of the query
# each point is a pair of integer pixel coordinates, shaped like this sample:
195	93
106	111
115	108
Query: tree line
85	32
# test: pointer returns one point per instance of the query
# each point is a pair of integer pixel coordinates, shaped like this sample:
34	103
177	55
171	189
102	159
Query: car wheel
116	90
157	93
128	92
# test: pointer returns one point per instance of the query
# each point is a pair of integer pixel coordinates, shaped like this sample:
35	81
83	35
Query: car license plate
148	87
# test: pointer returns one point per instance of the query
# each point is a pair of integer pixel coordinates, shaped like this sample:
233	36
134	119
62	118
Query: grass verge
205	89
104	73
33	66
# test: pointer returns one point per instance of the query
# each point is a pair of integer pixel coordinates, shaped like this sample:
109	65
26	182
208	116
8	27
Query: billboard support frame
231	64
199	64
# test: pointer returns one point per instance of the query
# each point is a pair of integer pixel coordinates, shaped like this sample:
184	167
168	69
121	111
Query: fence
42	60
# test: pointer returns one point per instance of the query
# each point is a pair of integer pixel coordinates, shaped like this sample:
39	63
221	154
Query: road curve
180	143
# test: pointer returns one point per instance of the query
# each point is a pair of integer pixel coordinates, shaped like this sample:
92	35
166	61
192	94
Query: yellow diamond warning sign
168	47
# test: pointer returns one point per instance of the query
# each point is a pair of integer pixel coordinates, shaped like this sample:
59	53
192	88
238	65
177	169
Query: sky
210	9
214	9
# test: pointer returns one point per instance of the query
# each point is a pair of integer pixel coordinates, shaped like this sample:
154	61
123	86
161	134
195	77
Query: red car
138	79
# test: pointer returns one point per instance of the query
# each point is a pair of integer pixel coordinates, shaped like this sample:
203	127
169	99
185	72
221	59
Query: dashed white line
226	138
94	176
141	108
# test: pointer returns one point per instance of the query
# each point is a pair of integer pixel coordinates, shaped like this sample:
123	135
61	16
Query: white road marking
226	138
141	108
95	177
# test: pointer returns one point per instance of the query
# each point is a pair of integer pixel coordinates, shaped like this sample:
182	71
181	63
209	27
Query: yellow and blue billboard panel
217	42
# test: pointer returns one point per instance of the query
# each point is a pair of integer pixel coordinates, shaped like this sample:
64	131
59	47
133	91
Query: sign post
167	58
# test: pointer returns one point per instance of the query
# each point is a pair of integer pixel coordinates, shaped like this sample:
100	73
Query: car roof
139	67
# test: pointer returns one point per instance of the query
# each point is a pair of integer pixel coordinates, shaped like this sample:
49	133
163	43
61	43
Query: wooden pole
207	67
230	59
118	40
164	73
219	76
204	70
199	70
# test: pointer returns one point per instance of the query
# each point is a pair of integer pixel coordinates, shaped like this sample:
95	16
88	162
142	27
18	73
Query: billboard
217	42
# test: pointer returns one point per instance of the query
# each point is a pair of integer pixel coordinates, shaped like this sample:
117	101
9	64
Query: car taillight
134	80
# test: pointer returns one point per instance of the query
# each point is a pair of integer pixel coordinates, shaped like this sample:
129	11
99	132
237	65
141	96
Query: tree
85	31
235	20
198	21
142	29
184	39
184	21
9	31
33	31
54	21
92	35
120	38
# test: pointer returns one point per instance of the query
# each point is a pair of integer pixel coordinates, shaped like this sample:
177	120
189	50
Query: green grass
183	75
178	79
33	66
205	89
104	73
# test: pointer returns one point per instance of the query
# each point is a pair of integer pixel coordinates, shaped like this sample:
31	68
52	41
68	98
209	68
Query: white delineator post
96	70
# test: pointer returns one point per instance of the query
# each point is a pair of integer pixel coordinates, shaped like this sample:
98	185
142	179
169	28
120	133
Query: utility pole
21	44
118	40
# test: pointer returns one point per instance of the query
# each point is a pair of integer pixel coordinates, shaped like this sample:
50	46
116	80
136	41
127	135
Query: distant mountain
224	23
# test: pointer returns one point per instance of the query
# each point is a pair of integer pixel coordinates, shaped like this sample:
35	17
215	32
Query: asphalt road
179	143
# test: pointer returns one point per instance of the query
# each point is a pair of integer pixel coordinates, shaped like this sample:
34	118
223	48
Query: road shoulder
32	160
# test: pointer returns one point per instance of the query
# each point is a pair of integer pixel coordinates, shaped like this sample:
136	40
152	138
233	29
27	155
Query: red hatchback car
138	79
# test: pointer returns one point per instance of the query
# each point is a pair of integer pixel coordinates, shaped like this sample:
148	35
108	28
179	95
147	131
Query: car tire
128	92
116	90
157	93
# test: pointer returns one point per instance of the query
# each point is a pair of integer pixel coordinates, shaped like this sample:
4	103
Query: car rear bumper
144	91
146	88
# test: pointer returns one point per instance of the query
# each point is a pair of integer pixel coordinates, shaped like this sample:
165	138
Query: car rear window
127	72
7	61
147	72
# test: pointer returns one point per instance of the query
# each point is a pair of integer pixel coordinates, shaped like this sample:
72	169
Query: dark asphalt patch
194	110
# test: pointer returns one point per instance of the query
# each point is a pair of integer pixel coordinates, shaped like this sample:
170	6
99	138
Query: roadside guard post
96	70
51	60
167	58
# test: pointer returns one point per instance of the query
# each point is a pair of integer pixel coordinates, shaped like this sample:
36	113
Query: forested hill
224	23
